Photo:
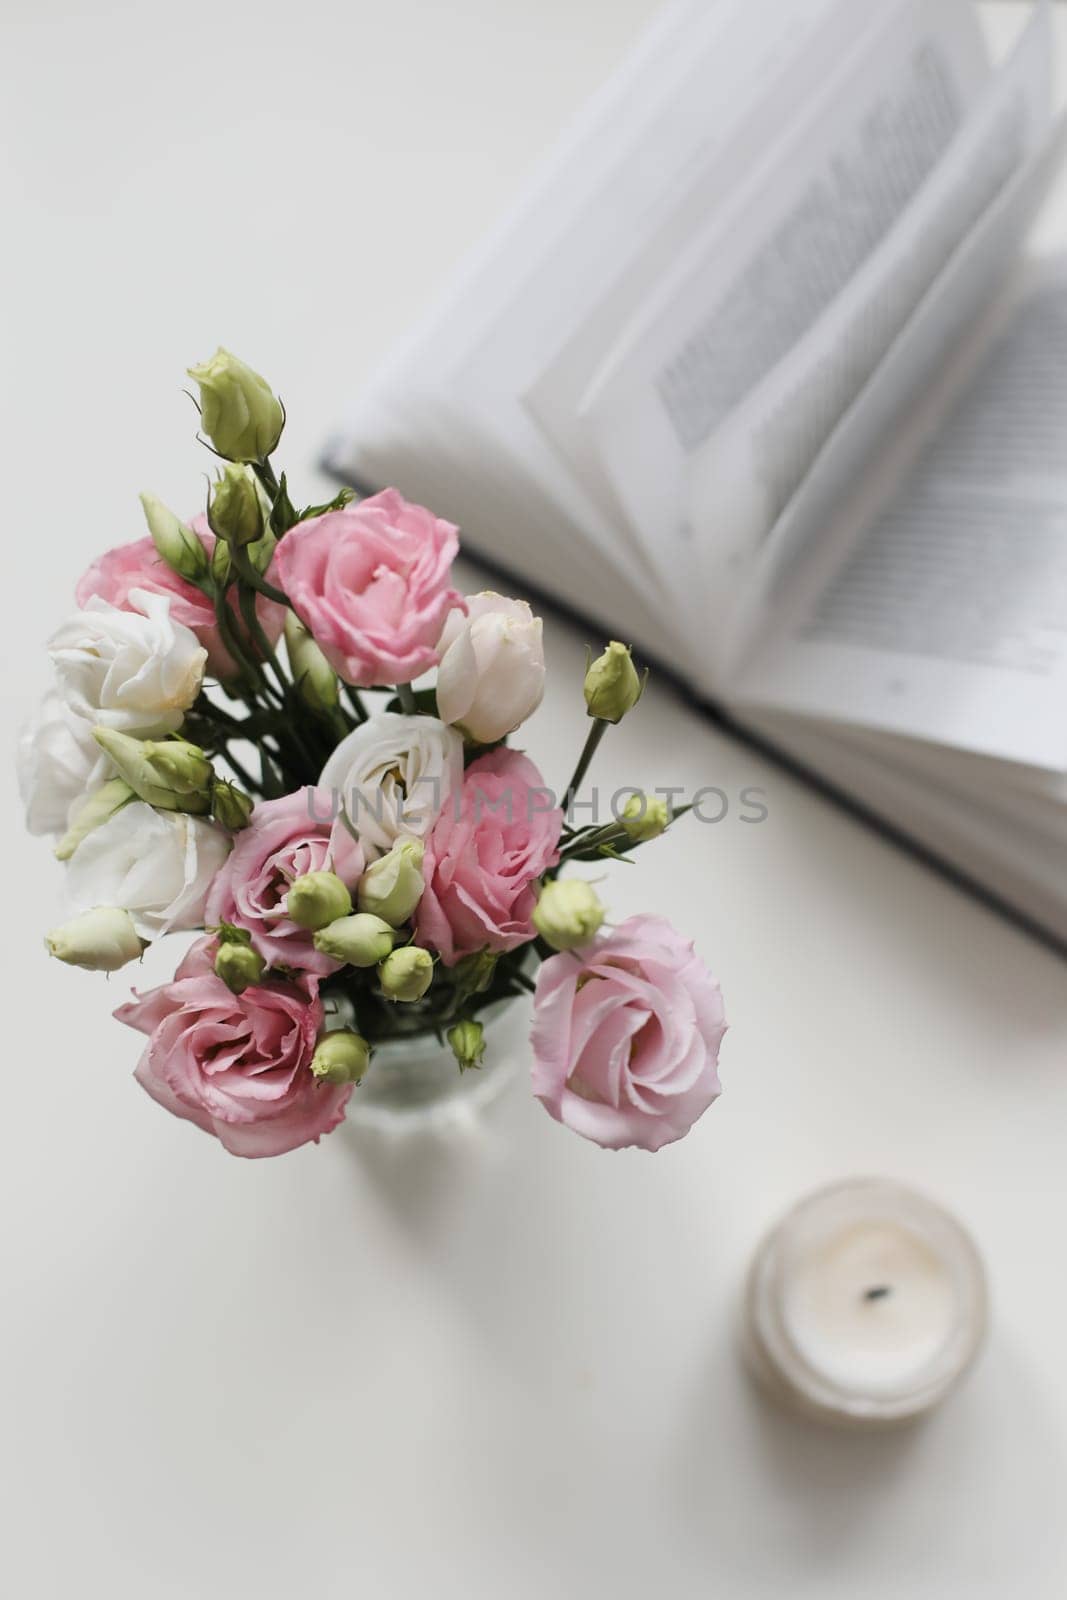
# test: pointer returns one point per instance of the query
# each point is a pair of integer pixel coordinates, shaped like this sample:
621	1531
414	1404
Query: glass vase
413	1083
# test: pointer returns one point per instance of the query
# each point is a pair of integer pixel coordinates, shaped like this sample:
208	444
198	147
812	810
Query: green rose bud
406	974
360	940
221	563
234	511
468	1044
101	940
92	812
612	687
238	412
177	544
314	677
645	816
392	886
568	913
340	1057
317	899
261	554
230	806
169	773
239	966
474	973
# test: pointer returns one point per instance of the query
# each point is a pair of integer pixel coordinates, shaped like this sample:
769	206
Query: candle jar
865	1305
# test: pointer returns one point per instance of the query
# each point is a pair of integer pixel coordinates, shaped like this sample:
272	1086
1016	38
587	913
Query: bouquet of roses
239	740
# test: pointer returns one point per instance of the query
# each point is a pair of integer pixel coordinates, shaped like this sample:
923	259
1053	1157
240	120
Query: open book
758	377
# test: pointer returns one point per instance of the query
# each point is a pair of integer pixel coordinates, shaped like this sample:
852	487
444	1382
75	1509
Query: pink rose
372	584
626	1036
139	565
491	842
239	1066
285	839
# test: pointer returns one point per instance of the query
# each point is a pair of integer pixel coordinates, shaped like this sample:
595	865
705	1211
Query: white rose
492	672
393	775
157	865
137	673
58	762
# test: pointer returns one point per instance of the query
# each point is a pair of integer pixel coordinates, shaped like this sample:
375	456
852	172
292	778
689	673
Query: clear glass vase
414	1083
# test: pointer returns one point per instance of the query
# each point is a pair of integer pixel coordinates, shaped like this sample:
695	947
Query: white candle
866	1304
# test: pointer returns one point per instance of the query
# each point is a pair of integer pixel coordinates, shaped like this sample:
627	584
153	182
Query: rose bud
340	1057
644	817
492	671
473	974
239	966
392	886
612	686
317	899
567	913
361	940
169	773
231	807
177	545
315	679
101	940
467	1039
235	512
91	813
238	412
406	974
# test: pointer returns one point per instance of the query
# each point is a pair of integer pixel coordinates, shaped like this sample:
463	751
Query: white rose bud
92	812
312	673
492	672
101	940
406	974
568	913
392	886
361	940
238	411
177	544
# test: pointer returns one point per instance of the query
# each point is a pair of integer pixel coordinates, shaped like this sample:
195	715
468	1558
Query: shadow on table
972	1488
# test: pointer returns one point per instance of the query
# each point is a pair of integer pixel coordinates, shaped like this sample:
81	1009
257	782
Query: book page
743	98
773	263
605	232
947	620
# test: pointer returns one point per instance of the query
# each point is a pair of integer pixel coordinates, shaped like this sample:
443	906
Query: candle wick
880	1291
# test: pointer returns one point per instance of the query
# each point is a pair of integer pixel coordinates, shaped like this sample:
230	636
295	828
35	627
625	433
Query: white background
504	1365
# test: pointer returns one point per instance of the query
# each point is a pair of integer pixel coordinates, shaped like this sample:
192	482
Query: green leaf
284	514
338	503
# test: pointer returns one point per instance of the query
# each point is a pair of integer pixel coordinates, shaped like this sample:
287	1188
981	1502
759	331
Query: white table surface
502	1365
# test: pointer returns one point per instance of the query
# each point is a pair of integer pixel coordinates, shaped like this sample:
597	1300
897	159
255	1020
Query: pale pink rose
372	584
493	839
138	565
626	1036
239	1066
285	839
492	671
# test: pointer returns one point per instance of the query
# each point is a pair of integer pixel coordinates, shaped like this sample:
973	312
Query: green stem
406	695
248	574
243	774
265	473
247	668
355	700
589	749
